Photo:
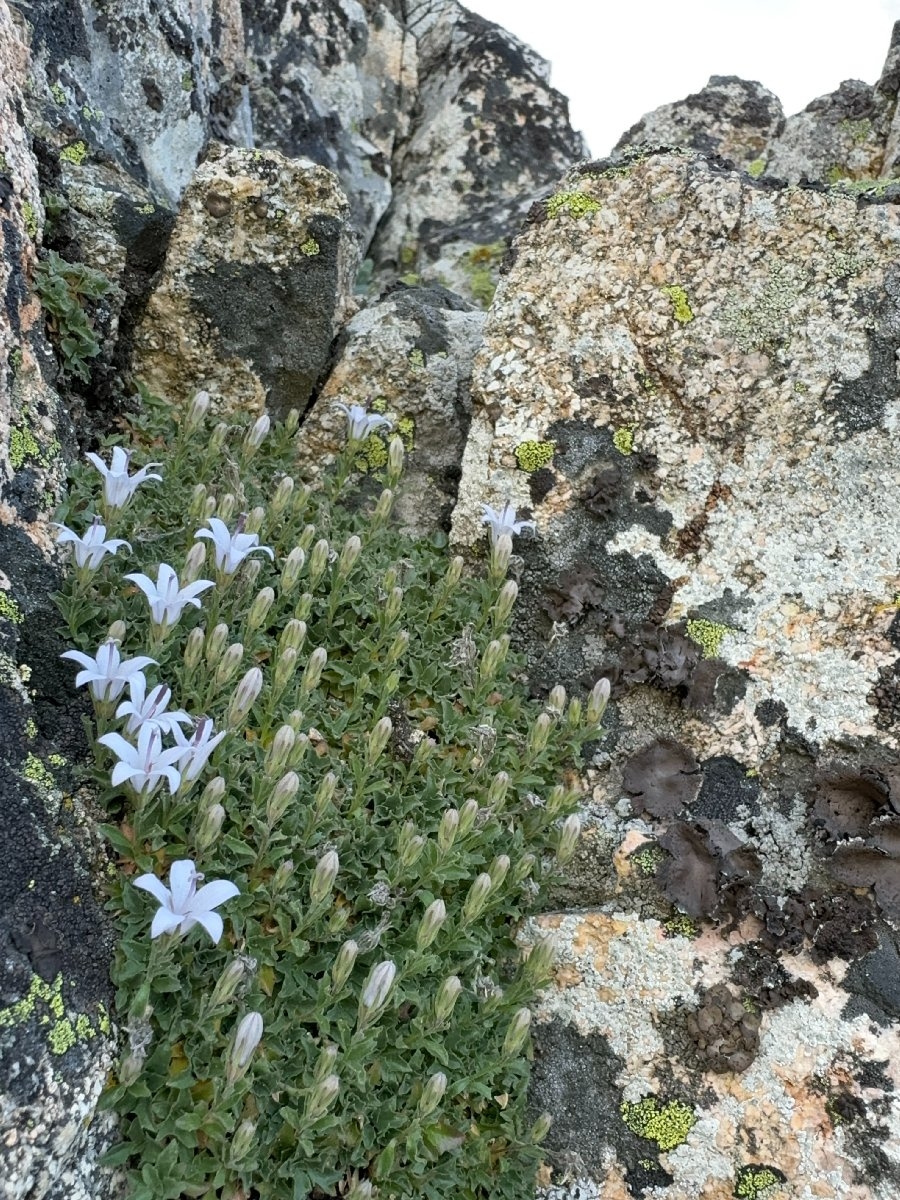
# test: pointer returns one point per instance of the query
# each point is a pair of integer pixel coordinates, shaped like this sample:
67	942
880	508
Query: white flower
118	485
194	753
167	600
182	906
142	709
503	521
106	673
231	548
91	549
361	423
143	765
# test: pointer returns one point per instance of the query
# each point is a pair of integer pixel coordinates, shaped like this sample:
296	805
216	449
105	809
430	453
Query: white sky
617	59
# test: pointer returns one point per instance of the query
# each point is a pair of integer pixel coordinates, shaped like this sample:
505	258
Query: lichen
310	247
708	635
756	168
575	204
751	1182
858	130
405	429
91	114
681	925
10	609
146	209
45	1002
58	92
668	1126
37	773
373	454
22	444
765	318
648	858
681	309
31	729
531	456
30	217
623	439
76	153
416	358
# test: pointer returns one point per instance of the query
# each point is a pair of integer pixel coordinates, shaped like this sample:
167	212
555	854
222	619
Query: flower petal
83	660
182	880
212	923
119	746
211	895
164	921
153	885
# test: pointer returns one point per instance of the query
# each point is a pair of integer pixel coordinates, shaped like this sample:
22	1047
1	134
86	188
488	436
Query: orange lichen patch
614	1186
566	977
633	839
595	932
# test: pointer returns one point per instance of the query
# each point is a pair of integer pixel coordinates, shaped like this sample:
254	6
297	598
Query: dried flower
181	905
118	485
90	550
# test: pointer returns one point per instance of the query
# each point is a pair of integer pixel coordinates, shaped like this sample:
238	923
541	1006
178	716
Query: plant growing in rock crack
64	288
341	1008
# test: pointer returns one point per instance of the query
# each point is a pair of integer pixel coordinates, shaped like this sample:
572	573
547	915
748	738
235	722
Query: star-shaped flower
167	599
145	765
231	548
181	905
194	752
106	672
90	550
118	485
503	521
142	709
361	423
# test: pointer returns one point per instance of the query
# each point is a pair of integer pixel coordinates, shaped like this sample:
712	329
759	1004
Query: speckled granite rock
411	356
733	118
691	380
55	1037
257	281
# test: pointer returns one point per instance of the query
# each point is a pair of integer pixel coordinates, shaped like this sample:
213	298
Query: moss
623	439
482	286
708	635
310	247
58	92
531	456
668	1126
575	204
76	153
416	358
756	168
681	309
681	925
9	609
22	445
751	1182
31	221
836	174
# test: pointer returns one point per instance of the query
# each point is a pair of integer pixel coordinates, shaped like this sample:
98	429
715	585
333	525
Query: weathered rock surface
257	281
692	381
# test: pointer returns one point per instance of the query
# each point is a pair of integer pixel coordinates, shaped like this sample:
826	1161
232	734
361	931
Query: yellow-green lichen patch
416	358
379	405
708	635
30	217
574	204
532	456
681	925
623	439
58	92
9	609
411	279
310	247
22	444
405	429
91	114
764	320
648	858
44	1002
756	168
76	153
146	209
373	454
37	773
752	1182
681	309
31	728
668	1126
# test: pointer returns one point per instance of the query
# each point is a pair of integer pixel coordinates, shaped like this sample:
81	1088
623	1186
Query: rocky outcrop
692	381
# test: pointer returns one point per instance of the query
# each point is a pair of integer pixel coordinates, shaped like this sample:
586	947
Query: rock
732	118
256	283
409	355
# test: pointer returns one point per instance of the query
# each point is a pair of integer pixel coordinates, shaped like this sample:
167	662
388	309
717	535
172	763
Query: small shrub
63	288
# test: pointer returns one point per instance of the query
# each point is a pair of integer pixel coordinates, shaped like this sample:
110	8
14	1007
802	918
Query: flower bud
292	422
393	604
343	965
497	791
285	667
229	663
212	793
283	494
447	829
322	882
568	838
539	963
229	981
430	925
322	1097
539	734
432	1094
397	649
501	553
245	696
477	897
573	714
246	1039
259	609
541	1128
295	719
256	434
445	1000
304	607
375	992
349	554
395	458
467	815
362	1189
523	868
197	506
292	636
557	799
454	571
290	572
217	438
325	792
254	520
209	507
226	507
278	753
377	739
517	1032
325	1063
306	538
383	506
197	410
282	876
314	668
491	661
193	649
409	844
503	605
193	564
250	570
597	701
210	827
244	1137
390	684
282	794
318	560
498	870
215	644
337	922
556	701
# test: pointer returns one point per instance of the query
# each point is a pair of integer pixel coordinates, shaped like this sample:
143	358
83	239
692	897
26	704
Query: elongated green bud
467	816
430	925
285	666
226	507
193	650
245	696
539	963
255	518
517	1032
504	603
597	701
491	660
325	792
229	664
395	459
325	1063
279	752
318	560
215	644
307	537
292	636
304	607
210	827
282	876
338	920
228	982
377	739
314	668
398	648
117	632
322	882
432	1094
540	1128
446	998
497	791
523	868
568	838
197	410
556	701
197	506
412	851
290	572
292	422
217	438
539	734
375	993
246	1038
477	897
454	571
501	553
393	605
250	573
259	609
557	799
349	554
295	719
256	434
447	830
343	965
383	507
282	794
282	496
322	1096
498	870
573	713
209	507
193	564
244	1137
212	793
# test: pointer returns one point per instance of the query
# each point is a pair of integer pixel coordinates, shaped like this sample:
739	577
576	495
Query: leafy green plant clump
63	288
341	1010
